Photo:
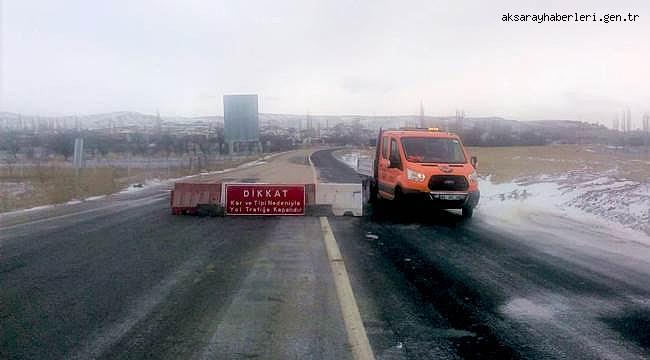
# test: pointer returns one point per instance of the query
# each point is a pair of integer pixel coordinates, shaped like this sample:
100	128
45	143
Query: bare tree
62	144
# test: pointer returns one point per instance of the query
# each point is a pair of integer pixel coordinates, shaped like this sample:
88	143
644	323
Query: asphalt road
122	278
431	285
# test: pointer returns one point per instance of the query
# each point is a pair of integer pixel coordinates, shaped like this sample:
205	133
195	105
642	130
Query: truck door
395	168
382	163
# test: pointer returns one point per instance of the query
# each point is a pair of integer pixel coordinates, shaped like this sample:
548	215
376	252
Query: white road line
357	337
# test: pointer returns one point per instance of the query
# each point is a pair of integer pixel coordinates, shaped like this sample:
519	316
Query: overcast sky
323	57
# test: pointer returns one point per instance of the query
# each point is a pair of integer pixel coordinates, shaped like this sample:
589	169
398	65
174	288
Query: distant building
241	123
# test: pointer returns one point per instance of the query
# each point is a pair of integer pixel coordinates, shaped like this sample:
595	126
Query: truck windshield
433	150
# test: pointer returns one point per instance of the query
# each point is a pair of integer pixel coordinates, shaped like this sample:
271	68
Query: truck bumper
445	200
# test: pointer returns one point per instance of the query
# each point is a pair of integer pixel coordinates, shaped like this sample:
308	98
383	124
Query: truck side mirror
394	162
474	161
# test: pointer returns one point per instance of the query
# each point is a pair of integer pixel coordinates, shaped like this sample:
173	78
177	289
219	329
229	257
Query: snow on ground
93	198
601	198
141	186
577	194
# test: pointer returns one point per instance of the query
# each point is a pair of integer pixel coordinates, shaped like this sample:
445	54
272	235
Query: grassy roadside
52	184
509	163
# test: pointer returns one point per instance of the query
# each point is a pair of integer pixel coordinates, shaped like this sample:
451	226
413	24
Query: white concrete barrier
344	198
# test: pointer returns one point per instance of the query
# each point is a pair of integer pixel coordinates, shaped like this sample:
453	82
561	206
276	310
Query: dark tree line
62	144
137	144
478	137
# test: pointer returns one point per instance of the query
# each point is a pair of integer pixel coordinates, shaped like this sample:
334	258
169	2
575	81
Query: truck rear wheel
468	212
398	196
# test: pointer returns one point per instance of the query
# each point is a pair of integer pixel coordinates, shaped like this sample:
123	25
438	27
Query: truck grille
448	183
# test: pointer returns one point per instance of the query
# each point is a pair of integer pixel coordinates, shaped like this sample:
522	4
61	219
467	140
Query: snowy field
604	201
589	190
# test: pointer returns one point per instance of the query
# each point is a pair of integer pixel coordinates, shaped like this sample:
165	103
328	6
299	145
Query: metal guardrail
365	166
362	164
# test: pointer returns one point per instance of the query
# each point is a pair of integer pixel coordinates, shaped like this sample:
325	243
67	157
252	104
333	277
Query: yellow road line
357	337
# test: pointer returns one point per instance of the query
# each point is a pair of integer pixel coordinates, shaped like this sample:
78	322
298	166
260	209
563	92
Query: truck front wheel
373	196
398	196
468	212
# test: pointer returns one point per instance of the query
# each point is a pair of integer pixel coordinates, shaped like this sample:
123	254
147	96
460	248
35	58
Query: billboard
240	117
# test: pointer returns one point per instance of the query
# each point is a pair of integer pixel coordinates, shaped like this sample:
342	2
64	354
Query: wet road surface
122	278
432	285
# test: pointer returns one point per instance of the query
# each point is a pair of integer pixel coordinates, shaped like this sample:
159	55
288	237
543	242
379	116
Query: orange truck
425	165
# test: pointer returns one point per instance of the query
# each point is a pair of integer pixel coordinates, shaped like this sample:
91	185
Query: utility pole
78	159
421	114
629	120
309	125
580	132
158	126
646	130
613	134
460	117
629	128
624	127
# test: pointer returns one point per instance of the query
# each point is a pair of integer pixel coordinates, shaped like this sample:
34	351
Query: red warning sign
260	199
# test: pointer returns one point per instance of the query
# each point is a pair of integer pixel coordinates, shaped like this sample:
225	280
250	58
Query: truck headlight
413	175
473	177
